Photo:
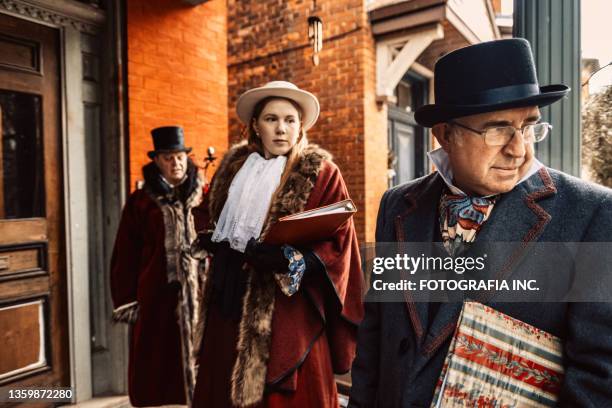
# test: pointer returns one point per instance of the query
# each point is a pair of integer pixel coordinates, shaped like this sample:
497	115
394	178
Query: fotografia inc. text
456	285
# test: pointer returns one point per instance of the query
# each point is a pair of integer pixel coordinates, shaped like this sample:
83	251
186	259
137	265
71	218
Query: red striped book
495	360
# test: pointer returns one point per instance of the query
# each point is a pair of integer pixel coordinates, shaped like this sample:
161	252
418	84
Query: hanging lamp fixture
315	33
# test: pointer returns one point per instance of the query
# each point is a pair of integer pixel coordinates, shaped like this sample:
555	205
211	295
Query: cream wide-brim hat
282	89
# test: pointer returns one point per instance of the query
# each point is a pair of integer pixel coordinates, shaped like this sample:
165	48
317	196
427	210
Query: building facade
82	83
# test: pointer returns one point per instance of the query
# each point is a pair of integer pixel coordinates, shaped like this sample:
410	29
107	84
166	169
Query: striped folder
495	360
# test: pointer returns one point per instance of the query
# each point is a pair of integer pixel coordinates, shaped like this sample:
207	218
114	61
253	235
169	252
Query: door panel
25	324
33	308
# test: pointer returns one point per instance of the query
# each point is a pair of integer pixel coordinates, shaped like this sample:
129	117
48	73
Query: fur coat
277	331
156	286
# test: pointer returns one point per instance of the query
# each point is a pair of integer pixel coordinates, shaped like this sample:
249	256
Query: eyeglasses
501	136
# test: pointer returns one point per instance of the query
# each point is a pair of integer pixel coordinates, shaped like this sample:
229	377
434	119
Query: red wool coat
291	344
332	301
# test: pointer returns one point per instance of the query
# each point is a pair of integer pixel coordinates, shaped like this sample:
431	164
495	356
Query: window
408	141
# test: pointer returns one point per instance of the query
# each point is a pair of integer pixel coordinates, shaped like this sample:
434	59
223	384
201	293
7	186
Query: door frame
72	19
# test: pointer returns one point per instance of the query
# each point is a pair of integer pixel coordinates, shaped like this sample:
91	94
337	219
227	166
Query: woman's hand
265	256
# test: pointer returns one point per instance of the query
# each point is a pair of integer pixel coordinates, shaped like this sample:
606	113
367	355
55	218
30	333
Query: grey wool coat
402	346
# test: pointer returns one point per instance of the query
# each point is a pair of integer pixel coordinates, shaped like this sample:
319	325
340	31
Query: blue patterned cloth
290	281
461	218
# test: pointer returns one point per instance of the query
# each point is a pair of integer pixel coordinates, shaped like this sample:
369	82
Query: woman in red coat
279	321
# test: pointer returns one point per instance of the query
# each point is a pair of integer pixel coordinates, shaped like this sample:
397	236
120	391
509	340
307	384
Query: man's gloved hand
264	256
203	242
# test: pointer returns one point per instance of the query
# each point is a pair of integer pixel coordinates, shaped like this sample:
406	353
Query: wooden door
33	289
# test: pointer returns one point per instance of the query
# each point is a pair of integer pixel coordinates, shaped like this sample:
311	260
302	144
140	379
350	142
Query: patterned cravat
461	217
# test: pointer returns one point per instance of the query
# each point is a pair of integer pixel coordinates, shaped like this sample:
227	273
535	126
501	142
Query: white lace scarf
248	200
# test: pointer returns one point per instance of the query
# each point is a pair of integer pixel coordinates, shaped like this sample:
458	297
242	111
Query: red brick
162	88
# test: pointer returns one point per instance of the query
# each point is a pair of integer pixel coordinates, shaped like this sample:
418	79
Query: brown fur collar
254	338
179	234
291	197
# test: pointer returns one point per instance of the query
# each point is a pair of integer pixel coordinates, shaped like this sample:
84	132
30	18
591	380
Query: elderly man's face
480	169
172	165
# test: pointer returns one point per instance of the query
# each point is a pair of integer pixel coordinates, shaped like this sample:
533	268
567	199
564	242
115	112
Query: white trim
466	30
409	21
76	220
422	70
377	4
390	69
492	19
461	26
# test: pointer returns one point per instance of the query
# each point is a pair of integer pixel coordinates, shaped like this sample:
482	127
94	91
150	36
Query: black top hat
486	77
168	139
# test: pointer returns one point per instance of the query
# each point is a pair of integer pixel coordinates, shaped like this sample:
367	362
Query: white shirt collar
174	185
440	159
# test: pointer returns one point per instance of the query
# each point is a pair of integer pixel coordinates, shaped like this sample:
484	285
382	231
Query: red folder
310	226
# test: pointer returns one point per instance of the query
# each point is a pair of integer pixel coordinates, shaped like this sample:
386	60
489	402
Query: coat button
404	346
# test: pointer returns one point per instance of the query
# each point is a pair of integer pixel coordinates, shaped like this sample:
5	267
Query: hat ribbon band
496	95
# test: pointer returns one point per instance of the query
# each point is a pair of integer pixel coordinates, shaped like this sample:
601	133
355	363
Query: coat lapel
416	224
517	219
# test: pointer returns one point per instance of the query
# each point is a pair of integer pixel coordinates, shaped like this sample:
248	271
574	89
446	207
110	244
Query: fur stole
255	332
179	233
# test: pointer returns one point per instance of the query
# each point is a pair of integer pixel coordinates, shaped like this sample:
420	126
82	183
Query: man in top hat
489	187
154	279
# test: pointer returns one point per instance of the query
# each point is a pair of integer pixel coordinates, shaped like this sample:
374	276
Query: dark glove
264	256
203	241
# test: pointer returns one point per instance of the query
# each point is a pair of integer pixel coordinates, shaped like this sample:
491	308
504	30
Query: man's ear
441	132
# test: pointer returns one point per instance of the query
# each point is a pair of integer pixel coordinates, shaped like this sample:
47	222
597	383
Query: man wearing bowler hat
488	187
154	280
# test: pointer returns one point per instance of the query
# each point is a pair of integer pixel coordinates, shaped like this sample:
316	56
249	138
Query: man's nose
516	146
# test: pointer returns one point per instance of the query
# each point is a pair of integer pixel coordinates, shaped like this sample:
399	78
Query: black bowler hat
168	139
486	77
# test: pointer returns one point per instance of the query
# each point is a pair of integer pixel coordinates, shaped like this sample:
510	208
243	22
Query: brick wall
177	74
267	40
